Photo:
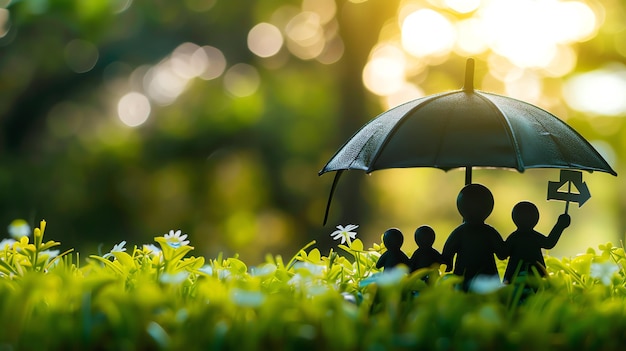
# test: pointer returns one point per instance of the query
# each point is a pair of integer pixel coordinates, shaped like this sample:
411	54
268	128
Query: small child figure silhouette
474	243
394	256
524	245
425	255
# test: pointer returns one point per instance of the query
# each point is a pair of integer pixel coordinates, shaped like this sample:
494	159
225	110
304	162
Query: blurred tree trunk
360	25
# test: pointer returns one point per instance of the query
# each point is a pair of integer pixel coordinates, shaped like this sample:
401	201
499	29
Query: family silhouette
471	248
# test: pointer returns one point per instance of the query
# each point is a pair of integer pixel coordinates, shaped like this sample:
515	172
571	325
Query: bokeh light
462	6
471	39
305	35
599	92
265	40
80	55
119	6
526	34
200	5
215	61
426	32
162	84
384	73
325	9
242	80
133	109
5	23
186	63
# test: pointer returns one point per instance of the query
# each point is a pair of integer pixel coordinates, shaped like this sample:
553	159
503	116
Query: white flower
388	277
263	270
19	228
7	244
485	284
206	269
604	271
313	269
175	278
116	248
247	298
51	255
152	250
345	233
175	239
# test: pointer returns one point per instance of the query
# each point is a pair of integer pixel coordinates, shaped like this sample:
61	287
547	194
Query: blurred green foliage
160	297
239	171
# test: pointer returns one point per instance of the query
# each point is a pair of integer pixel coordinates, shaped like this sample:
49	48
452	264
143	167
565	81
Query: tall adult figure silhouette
474	242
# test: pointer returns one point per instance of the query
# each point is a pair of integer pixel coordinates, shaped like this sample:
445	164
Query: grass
161	297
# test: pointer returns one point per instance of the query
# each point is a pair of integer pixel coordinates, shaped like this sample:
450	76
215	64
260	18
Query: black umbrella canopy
466	128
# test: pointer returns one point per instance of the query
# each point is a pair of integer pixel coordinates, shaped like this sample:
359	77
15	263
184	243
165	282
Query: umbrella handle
330	197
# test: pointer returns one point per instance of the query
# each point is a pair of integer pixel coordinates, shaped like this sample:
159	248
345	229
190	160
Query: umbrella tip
469	75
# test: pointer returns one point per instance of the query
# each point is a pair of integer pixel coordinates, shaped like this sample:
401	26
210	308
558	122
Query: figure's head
393	238
475	203
525	215
424	236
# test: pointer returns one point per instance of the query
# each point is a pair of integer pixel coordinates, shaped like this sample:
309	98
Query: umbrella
465	128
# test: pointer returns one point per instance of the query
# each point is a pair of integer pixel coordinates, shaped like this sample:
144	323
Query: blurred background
123	119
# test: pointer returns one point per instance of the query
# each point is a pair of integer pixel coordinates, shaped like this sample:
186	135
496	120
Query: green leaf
7	267
125	259
314	256
107	263
357	245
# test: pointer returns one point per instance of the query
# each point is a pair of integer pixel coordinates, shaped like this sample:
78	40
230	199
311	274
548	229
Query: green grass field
161	297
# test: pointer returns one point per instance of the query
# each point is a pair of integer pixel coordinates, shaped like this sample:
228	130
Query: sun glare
384	74
599	92
426	32
514	36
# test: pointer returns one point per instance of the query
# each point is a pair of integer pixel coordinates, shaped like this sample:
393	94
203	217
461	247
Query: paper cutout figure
474	243
524	245
425	256
393	240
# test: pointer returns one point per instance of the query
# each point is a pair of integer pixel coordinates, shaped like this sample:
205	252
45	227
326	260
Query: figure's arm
406	260
381	260
555	234
449	250
500	248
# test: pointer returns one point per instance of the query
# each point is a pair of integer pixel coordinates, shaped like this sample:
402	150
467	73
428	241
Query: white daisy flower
604	271
116	248
345	233
175	239
19	228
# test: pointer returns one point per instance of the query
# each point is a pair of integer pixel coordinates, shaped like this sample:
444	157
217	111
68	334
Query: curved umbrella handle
330	197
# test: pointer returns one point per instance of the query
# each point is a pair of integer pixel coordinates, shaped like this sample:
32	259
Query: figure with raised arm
524	244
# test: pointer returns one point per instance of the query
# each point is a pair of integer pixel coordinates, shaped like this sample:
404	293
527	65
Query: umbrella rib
393	130
508	128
